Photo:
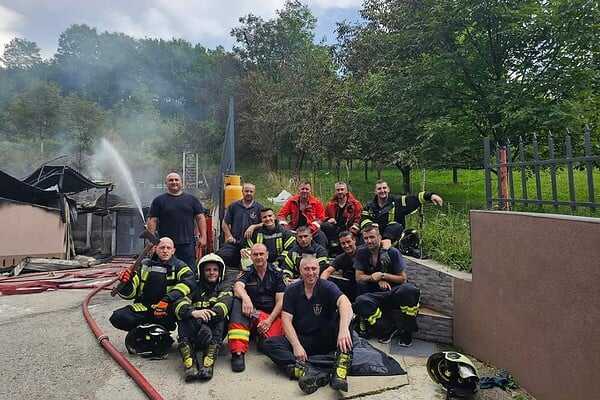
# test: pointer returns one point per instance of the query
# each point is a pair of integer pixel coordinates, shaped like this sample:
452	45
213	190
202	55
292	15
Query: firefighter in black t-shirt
173	214
345	264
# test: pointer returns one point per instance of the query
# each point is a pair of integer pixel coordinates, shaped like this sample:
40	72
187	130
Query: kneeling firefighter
202	319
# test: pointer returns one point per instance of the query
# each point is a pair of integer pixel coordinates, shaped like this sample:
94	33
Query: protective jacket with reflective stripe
277	240
215	297
289	262
395	209
157	280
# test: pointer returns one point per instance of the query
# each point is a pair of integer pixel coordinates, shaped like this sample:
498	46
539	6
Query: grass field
446	233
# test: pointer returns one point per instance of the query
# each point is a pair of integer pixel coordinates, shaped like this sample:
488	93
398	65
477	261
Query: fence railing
505	164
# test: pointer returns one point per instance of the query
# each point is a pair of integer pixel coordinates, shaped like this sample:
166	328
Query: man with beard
345	264
342	213
240	216
203	317
173	214
271	234
316	318
304	209
387	305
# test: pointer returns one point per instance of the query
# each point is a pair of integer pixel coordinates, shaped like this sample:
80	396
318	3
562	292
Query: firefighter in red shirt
304	209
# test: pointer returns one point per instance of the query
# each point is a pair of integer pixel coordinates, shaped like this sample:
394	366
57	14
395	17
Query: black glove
384	260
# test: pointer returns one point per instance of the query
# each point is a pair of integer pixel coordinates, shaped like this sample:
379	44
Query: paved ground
48	352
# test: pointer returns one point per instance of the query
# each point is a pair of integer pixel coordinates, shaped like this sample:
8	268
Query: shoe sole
388	339
310	384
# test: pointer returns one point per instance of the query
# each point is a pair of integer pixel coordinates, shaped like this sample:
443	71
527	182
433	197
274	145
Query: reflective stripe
144	274
289	242
375	316
223	307
322	259
259	238
183	271
131	295
365	222
183	288
157	268
422	197
239	334
139	307
178	307
410	311
392	213
278	245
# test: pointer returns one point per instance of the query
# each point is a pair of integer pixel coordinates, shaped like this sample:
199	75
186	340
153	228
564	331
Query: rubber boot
189	365
205	371
297	370
312	380
343	361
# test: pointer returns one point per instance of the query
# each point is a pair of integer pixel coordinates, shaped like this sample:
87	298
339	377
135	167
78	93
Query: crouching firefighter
159	283
387	304
202	319
316	318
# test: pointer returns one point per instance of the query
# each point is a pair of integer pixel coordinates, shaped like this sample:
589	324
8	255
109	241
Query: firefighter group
303	282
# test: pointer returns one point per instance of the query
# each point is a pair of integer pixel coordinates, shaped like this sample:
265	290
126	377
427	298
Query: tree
83	123
21	54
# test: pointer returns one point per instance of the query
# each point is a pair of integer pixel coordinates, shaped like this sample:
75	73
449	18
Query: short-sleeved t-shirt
176	216
262	291
240	217
345	263
362	262
311	315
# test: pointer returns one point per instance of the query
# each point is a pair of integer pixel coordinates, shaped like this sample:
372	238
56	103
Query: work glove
160	309
385	261
125	276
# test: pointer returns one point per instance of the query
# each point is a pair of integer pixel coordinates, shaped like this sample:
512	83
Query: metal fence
526	160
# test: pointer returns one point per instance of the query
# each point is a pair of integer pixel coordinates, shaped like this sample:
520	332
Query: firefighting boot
191	371
205	371
297	370
340	371
312	380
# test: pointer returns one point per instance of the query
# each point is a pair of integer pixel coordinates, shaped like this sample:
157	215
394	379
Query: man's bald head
259	255
174	183
165	249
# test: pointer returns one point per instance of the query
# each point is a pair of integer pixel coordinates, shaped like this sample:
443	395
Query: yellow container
233	189
232	180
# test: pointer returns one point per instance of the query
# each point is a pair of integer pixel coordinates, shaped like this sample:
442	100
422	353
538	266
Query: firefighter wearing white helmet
202	319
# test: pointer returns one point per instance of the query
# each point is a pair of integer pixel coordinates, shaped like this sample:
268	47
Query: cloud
10	21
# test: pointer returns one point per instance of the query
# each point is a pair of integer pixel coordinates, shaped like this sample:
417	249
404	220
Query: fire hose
81	279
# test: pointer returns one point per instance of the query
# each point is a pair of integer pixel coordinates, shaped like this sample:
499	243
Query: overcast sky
207	22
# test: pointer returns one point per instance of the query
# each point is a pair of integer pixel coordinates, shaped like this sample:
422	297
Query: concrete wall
533	305
29	231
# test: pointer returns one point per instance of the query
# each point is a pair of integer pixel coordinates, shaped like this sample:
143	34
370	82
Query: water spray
124	170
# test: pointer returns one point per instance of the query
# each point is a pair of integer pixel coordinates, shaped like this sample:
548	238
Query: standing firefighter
389	211
155	287
203	319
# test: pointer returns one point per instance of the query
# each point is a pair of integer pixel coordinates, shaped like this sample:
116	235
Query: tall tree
21	54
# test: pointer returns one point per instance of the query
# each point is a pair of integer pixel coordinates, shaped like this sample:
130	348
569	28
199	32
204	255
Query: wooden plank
552	171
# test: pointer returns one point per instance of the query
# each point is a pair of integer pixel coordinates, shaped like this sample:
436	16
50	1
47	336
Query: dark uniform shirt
262	291
311	315
345	263
362	262
176	216
240	217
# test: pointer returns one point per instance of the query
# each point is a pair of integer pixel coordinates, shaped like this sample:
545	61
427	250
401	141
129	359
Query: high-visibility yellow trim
183	271
365	222
410	311
144	275
375	316
183	288
259	238
392	213
422	197
178	307
239	334
278	245
139	307
289	242
223	307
